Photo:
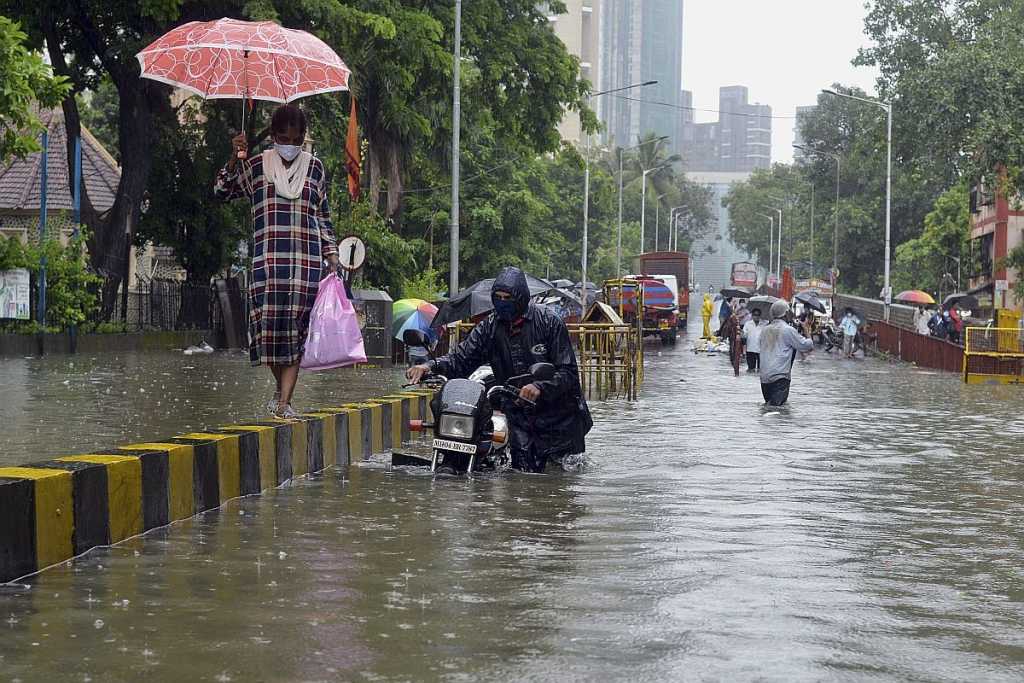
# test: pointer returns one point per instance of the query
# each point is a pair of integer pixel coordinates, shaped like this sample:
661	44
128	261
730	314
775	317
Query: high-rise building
739	141
712	255
802	114
578	28
640	40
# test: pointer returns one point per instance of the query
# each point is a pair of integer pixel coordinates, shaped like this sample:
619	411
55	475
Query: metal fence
923	350
167	305
993	355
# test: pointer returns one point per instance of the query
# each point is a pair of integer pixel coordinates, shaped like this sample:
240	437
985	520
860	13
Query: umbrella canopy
968	302
762	303
412	314
476	299
915	296
736	293
562	284
228	58
812	302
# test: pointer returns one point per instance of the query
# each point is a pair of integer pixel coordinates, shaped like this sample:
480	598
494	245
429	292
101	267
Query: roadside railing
993	355
924	350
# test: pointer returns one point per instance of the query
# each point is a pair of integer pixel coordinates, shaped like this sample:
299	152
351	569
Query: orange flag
352	160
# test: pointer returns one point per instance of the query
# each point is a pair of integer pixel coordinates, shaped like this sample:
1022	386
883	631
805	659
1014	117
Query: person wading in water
779	346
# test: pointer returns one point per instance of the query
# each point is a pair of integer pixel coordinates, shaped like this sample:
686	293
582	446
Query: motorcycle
470	432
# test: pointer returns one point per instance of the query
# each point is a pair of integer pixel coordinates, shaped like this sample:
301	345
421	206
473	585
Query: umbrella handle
244	153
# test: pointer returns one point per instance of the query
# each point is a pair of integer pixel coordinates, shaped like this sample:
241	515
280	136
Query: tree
99	111
182	214
924	262
27	81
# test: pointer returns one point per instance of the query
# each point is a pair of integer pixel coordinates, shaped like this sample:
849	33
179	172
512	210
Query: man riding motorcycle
515	336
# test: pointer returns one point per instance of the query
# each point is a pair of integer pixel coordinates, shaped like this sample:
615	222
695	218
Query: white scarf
288	180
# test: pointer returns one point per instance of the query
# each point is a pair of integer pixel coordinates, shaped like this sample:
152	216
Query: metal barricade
993	355
610	357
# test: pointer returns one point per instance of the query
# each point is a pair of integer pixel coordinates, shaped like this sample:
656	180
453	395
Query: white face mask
287	152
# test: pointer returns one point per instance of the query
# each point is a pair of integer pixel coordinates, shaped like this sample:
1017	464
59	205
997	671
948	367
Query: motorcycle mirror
542	371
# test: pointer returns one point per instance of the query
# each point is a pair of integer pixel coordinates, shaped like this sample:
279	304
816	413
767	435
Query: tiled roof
20	181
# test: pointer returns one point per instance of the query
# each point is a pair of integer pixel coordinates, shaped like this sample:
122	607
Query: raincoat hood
513	281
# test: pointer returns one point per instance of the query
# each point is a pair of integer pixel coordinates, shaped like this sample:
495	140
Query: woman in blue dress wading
292	236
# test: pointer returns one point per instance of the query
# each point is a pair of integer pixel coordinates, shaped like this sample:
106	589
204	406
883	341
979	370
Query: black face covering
512	281
505	309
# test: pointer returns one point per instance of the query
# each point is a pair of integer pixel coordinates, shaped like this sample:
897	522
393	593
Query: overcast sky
784	51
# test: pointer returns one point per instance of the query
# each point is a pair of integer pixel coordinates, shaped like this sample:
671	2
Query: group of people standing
946	324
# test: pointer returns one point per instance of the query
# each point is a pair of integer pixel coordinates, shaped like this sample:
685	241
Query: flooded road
869	531
95	401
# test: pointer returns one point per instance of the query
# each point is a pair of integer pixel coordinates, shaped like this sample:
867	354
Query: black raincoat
559	424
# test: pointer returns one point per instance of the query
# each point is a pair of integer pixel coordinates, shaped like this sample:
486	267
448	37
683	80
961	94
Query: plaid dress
290	239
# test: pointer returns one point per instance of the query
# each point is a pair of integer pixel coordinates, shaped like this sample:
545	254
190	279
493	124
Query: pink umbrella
228	58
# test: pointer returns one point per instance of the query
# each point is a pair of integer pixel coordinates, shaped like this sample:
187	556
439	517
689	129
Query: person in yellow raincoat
705	311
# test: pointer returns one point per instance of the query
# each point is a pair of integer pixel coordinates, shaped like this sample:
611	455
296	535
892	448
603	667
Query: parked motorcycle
470	432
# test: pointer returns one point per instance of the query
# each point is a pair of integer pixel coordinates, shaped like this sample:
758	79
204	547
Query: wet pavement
96	401
869	531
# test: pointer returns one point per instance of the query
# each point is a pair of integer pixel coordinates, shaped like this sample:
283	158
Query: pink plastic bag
334	339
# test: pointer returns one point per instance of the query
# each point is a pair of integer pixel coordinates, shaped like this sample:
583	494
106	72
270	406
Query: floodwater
869	531
97	401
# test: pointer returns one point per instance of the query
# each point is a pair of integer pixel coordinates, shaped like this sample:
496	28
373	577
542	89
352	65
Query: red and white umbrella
228	58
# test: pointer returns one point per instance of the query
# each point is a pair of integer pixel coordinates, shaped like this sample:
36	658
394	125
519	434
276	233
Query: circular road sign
351	253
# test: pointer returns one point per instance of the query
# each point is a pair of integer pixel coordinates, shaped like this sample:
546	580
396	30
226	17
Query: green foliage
924	262
71	289
389	258
182	213
27	80
99	114
426	285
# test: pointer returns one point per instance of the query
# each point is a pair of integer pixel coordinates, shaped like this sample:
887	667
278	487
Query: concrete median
54	510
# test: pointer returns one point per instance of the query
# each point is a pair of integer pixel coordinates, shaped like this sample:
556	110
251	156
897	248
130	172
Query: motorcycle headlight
456	426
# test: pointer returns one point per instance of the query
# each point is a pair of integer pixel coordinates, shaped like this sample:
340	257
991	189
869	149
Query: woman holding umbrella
292	235
243	60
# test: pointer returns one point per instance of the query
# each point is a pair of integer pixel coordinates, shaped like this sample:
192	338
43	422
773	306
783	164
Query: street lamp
778	253
618	250
586	176
672	226
835	230
887	108
771	237
657	218
643	201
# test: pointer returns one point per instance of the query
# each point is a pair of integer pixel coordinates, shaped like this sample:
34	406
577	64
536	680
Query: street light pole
835	229
618	250
586	179
673	232
453	272
643	202
887	108
771	237
657	217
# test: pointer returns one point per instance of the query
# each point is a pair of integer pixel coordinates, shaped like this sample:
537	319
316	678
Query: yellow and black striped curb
55	510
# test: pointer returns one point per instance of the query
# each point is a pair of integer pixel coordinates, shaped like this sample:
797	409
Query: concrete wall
54	510
874	309
28	344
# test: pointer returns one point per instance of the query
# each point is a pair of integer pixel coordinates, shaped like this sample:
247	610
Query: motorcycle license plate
457	446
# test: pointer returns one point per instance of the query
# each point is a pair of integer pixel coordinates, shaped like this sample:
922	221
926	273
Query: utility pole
453	277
